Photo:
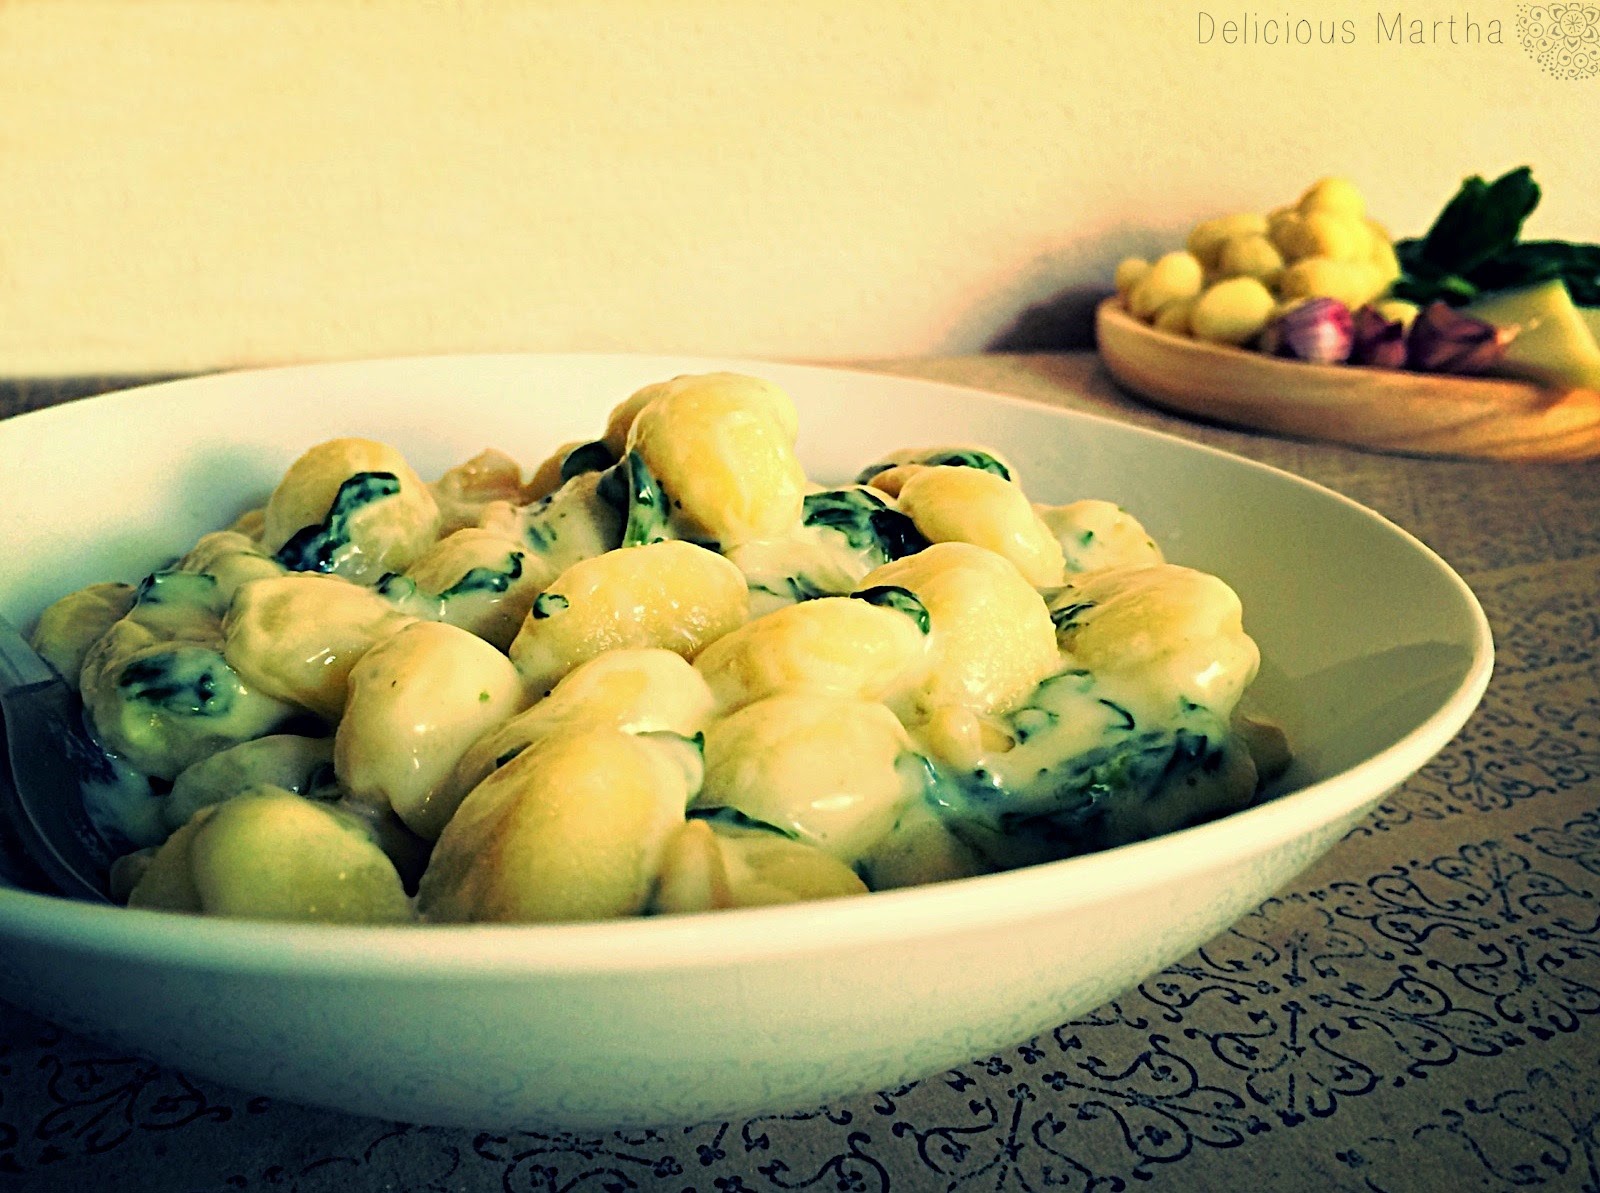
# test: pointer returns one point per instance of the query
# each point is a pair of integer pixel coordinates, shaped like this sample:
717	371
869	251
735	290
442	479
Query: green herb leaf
1533	261
319	547
548	604
902	600
586	457
1473	248
1483	220
631	489
866	521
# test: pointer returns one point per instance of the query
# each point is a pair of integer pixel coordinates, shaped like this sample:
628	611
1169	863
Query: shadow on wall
1049	305
1062	323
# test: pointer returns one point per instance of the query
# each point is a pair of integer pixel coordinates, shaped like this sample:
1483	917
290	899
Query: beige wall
192	184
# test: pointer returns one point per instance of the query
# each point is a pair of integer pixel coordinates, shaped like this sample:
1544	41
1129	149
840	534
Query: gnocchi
990	635
646	690
821	768
970	505
666	674
574	828
297	637
392	746
671	594
352	507
270	854
482	580
157	686
722	446
1239	273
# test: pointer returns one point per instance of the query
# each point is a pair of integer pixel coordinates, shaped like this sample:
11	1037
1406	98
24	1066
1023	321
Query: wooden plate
1378	409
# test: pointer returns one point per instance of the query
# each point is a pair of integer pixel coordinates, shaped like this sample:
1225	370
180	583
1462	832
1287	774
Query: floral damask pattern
1317	1000
1542	1134
95	1103
1537	732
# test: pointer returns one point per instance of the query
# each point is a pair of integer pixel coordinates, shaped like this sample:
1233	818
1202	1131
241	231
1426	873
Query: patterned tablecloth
1419	1011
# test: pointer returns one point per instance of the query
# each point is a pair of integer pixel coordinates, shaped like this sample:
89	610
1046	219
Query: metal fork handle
19	843
30	692
21	667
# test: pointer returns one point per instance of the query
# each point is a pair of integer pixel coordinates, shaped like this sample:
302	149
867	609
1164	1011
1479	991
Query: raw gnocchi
665	674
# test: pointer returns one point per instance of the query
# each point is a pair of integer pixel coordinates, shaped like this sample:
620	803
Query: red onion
1319	330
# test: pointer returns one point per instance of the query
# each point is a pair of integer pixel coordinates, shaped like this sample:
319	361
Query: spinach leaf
902	600
1473	248
586	457
189	681
1533	261
1074	798
969	457
548	604
1480	222
486	579
848	511
1067	616
733	818
955	457
898	535
317	548
865	520
630	488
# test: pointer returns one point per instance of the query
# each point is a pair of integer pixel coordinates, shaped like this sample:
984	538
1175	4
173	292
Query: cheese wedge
1555	342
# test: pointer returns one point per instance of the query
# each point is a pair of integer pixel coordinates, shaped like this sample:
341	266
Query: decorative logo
1564	39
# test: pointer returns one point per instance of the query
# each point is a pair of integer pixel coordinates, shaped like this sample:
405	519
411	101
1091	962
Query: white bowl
1375	654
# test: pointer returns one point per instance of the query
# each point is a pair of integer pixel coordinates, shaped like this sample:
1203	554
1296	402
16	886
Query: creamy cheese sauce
844	534
572	524
1094	762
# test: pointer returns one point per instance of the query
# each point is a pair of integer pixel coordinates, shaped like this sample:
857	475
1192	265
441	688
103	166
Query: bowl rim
762	934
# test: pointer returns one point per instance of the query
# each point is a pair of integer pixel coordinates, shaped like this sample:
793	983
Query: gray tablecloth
1420	1011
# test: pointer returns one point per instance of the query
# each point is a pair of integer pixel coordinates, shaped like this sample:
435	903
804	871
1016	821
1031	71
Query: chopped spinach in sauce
733	818
969	457
586	457
866	522
547	604
1082	768
317	548
901	600
189	681
1066	617
487	579
795	588
1138	767
631	489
